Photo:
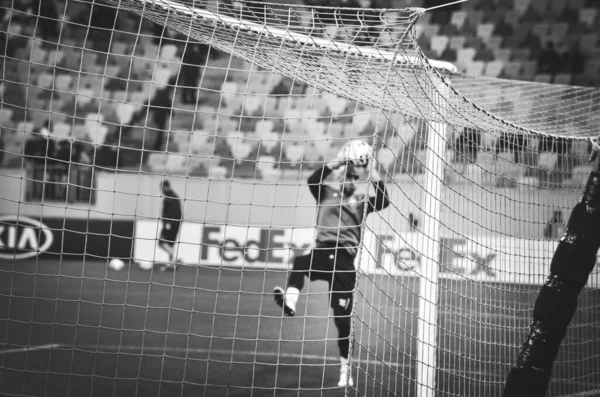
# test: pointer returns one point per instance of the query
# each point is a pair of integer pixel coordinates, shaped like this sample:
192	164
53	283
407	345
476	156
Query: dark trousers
336	266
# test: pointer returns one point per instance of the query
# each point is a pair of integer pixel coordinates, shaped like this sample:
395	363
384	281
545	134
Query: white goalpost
429	278
113	282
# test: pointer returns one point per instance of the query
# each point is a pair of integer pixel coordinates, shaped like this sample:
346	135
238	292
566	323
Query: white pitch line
315	357
30	348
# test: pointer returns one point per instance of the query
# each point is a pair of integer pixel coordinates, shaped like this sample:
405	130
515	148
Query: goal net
236	104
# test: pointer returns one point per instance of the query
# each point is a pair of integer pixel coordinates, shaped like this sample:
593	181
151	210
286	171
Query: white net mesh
237	105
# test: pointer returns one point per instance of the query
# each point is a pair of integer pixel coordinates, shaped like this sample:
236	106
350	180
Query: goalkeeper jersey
340	218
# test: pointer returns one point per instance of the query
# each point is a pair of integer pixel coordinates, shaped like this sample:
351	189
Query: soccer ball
116	264
356	151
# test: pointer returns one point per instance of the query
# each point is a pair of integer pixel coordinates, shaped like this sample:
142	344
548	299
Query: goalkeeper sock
291	297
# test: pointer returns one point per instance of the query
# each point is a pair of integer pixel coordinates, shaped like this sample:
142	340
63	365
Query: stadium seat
142	64
39	118
475	18
61	130
84	97
45	80
96	130
335	130
502	54
14	28
62	82
465	55
156	162
558	31
124	112
138	98
119	48
241	147
588	43
512	18
493	69
541	30
161	76
25	126
150	51
217	172
168	52
111	71
439	44
335	104
89	62
199	141
252	103
311	154
175	162
264	127
484	54
267	166
528	70
360	121
475	68
495	42
457	42
563	79
55	57
587	16
431	30
543	78
484	31
5	117
79	132
592	69
182	140
294	151
38	55
316	130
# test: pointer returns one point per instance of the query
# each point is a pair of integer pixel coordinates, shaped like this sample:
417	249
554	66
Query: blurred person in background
171	221
194	58
555	228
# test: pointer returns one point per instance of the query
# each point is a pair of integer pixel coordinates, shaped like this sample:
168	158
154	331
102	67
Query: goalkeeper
339	223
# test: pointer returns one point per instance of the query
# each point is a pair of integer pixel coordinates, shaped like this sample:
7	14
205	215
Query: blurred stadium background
98	106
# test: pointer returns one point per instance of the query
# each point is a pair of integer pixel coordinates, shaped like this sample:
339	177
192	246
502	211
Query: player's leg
169	248
342	294
556	303
288	298
342	317
167	242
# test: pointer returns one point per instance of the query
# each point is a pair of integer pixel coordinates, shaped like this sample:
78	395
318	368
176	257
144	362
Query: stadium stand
104	97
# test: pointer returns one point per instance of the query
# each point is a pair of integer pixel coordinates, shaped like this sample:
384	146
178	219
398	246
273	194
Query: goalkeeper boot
345	377
279	295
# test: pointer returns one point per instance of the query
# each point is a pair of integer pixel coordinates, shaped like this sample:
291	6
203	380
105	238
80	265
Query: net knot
416	11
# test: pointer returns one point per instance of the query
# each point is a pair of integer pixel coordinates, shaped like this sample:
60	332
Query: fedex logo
22	237
455	256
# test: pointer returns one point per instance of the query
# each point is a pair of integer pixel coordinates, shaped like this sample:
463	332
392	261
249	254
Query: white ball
356	151
116	264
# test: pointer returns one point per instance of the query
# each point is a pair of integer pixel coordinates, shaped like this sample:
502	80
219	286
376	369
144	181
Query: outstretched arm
315	181
381	199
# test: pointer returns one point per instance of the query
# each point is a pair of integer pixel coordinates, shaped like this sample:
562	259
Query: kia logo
22	238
